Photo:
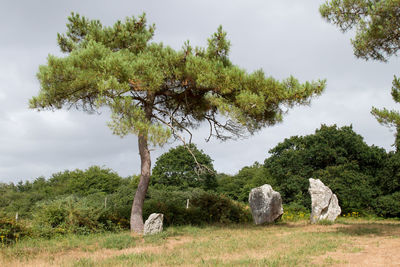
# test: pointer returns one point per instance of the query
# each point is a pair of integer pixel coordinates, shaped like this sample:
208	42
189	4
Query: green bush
72	215
389	205
23	196
238	187
11	230
354	189
204	207
294	212
120	203
170	203
214	208
178	168
337	156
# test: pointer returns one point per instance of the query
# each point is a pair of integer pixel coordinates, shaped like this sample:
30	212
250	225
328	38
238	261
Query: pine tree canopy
377	37
377	25
156	91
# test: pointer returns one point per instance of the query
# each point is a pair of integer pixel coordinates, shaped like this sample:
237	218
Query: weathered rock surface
324	204
154	224
265	204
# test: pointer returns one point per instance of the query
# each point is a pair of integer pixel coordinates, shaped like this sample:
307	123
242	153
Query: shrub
388	206
11	230
120	204
294	212
221	209
72	215
178	168
204	207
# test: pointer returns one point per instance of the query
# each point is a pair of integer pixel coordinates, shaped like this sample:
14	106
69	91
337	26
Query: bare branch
175	133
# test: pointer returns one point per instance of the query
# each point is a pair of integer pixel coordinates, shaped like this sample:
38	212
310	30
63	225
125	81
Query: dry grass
349	243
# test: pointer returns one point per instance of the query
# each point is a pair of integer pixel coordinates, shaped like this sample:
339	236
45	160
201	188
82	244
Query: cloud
283	38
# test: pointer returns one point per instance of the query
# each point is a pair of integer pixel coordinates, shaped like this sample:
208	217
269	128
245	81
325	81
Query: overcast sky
283	38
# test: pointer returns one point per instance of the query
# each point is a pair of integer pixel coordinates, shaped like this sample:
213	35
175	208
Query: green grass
325	222
118	242
280	244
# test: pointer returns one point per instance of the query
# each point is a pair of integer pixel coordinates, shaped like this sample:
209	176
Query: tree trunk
145	169
137	206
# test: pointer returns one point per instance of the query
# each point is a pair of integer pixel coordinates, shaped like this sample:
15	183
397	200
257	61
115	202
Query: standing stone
265	204
154	224
324	204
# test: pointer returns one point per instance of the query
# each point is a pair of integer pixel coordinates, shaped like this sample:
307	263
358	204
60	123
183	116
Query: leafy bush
238	187
354	189
23	196
82	183
120	202
389	175
11	230
72	215
170	203
338	156
204	207
294	212
178	168
214	208
389	205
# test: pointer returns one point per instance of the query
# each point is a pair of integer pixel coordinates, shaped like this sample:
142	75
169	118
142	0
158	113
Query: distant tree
154	91
377	37
178	168
83	183
337	156
22	197
389	174
239	186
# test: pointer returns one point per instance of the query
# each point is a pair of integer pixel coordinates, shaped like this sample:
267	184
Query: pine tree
156	92
377	37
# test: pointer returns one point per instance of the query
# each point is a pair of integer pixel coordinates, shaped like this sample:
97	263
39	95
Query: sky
281	37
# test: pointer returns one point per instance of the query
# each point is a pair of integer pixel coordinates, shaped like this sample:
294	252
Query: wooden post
187	203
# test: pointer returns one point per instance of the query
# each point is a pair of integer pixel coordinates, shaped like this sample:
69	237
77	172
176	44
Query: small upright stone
154	224
265	204
324	204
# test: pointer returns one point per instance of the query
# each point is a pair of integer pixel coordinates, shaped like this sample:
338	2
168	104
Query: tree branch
174	132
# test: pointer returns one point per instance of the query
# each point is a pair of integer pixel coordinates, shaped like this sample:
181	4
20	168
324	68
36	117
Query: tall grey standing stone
154	224
265	204
324	204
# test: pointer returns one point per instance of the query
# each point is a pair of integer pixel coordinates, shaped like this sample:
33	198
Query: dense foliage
154	90
23	196
184	167
377	25
365	178
204	207
238	186
356	172
97	199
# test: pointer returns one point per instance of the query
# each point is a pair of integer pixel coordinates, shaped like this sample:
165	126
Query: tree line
365	178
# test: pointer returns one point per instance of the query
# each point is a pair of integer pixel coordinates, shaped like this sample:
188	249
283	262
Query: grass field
348	242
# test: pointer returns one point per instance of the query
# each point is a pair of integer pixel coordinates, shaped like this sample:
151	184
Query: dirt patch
366	248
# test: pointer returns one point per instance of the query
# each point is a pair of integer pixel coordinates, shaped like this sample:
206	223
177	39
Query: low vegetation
365	178
286	243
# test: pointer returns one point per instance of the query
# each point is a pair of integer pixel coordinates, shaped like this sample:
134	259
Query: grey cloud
282	37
